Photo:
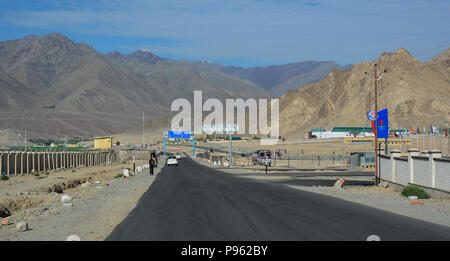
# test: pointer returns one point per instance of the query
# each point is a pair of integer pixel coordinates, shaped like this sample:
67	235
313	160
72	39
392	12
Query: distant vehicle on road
178	156
262	157
172	160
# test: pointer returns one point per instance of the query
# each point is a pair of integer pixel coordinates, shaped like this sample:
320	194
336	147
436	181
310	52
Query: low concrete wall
401	171
422	171
429	171
442	167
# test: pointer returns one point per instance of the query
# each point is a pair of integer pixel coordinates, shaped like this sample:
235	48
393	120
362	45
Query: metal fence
27	162
314	157
425	142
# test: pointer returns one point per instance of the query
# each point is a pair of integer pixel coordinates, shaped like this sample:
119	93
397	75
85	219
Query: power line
432	49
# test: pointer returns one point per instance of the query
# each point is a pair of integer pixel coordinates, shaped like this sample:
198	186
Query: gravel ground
96	210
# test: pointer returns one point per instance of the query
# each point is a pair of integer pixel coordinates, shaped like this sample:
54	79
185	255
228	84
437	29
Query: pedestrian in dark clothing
152	164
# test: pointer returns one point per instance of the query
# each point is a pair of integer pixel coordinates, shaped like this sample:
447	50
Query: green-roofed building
352	129
339	132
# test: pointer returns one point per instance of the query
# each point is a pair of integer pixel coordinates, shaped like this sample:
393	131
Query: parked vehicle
262	157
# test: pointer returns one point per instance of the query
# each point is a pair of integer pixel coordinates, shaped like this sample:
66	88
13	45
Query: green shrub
415	191
4	177
36	174
118	175
74	170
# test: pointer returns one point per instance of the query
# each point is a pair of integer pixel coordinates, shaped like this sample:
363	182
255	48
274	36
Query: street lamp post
376	79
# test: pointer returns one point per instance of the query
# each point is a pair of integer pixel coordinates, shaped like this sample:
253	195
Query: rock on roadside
22	226
66	199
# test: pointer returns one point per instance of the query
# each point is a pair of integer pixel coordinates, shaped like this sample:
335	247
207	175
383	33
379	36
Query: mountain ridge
415	93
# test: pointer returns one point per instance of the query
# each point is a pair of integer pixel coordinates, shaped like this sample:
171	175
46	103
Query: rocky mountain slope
53	87
57	88
416	94
181	78
279	79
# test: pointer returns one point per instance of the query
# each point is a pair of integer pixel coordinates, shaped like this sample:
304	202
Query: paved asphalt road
194	202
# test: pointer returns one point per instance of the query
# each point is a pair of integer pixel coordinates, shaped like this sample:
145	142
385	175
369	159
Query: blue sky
240	32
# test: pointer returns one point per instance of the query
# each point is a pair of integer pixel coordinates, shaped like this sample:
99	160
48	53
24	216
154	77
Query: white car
178	156
172	160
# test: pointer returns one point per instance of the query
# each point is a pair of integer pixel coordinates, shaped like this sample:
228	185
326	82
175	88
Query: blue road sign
179	134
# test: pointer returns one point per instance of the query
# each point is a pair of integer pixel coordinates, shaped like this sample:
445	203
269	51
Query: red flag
373	127
446	133
395	134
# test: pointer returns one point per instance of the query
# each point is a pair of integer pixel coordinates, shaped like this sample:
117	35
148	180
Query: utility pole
376	79
143	129
377	177
231	149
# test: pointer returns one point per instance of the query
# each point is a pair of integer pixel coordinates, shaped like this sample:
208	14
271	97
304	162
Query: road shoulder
97	209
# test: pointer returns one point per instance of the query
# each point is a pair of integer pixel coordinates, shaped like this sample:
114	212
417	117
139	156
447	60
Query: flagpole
431	140
423	142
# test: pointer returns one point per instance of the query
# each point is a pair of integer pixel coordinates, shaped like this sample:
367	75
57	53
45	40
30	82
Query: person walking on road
151	163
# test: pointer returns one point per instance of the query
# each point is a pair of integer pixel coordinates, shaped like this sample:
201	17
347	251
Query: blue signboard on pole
179	134
383	124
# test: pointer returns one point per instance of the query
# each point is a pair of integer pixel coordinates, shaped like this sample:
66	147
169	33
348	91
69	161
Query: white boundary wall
401	171
422	171
386	167
442	169
429	170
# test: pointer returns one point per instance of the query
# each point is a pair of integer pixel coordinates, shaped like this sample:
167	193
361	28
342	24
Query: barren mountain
416	94
11	138
53	87
15	96
181	78
139	56
442	58
442	63
57	88
279	79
